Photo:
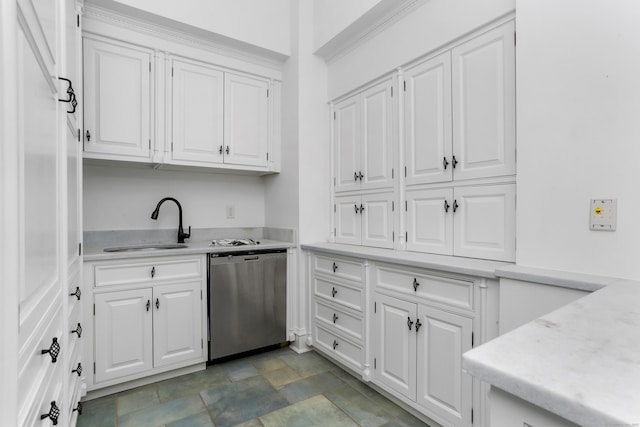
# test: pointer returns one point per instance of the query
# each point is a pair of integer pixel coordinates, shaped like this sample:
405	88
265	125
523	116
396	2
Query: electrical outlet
231	211
603	214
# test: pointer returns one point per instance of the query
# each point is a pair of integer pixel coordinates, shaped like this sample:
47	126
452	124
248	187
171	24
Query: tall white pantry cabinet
41	254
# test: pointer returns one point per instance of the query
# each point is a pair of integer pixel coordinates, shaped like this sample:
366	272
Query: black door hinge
94	309
94	368
334	115
514	38
79	135
392	173
405	171
406	236
267	93
406	205
78	20
375	307
472	339
393	206
393	236
375	364
149	66
267	156
405	85
471	415
171	71
79	249
391	90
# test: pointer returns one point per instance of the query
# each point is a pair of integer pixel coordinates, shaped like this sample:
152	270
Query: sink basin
146	247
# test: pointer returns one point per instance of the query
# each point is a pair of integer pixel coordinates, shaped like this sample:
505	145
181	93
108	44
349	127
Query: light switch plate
603	215
231	211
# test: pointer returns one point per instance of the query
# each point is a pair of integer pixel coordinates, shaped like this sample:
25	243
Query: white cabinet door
123	333
346	139
484	222
117	113
376	213
198	119
376	154
177	323
429	221
443	388
246	109
348	220
483	73
396	351
427	121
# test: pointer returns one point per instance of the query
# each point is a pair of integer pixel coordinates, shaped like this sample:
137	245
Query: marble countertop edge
564	279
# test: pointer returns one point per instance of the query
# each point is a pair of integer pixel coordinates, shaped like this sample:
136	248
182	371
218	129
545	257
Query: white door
396	350
485	222
427	121
117	112
123	333
429	221
377	219
377	119
348	220
177	323
346	138
246	109
484	135
197	114
442	386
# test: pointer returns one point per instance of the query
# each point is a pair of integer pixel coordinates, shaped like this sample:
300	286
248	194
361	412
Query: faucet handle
187	235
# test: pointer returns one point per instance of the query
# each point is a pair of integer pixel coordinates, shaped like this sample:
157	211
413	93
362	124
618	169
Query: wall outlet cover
603	216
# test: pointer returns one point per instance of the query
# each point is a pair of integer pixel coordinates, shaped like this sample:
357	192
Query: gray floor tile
268	364
310	386
136	399
364	411
281	377
98	412
163	413
316	411
251	423
241	401
239	369
198	420
307	364
192	384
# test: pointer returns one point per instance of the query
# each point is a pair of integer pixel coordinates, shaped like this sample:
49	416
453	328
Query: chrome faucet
181	234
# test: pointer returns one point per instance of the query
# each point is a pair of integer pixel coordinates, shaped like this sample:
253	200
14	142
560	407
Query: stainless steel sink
146	247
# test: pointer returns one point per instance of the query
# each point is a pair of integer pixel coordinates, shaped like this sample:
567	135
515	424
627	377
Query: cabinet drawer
444	290
339	267
108	274
349	296
334	318
347	352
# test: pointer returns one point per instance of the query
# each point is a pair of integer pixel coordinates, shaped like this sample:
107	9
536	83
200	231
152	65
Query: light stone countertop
581	362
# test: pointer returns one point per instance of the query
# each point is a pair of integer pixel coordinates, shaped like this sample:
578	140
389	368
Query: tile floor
274	389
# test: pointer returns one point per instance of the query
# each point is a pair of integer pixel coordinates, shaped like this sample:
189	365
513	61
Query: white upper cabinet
197	113
460	111
429	221
484	134
427	121
365	220
117	94
363	136
246	120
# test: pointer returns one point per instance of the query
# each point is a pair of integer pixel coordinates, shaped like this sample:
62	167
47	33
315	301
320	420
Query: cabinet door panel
484	105
123	334
348	220
428	121
246	120
198	117
484	222
396	353
118	107
177	323
346	136
442	386
377	136
377	220
430	221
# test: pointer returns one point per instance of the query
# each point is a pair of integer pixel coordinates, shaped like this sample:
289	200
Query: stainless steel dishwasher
247	301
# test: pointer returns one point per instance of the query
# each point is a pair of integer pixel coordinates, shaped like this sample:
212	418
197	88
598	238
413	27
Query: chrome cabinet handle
53	350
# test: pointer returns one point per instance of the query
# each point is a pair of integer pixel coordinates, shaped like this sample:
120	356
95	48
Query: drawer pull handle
157	304
77	293
415	284
335	344
335	317
418	324
409	322
78	370
53	414
53	351
333	292
153	272
78	408
335	267
78	330
148	304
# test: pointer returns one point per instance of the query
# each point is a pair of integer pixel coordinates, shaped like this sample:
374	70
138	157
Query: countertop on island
581	362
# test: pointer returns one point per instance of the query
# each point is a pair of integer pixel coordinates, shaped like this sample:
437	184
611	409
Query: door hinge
171	71
267	93
392	173
334	208
405	85
334	115
79	249
393	206
201	343
375	364
393	236
94	368
471	415
375	307
405	171
392	91
94	309
334	181
172	146
514	38
267	156
149	143
78	135
472	339
406	236
406	205
334	231
200	294
149	66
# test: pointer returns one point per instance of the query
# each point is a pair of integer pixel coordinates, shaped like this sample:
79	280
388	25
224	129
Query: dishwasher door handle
252	258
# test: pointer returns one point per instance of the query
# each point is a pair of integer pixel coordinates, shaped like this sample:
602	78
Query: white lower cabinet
419	355
148	326
473	221
508	410
365	220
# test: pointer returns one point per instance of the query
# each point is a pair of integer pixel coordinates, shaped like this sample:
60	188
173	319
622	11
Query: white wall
257	22
122	198
430	26
578	105
330	17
